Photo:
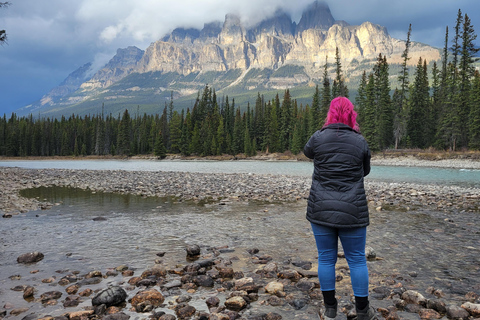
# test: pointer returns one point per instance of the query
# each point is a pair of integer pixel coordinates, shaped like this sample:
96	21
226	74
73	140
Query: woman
337	204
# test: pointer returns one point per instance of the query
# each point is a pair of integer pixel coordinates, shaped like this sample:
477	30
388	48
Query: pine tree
384	104
175	129
466	72
160	150
401	115
419	102
474	117
339	87
124	135
315	112
286	115
360	99
369	123
326	97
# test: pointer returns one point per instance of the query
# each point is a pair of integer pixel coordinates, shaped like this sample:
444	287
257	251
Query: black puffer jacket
341	159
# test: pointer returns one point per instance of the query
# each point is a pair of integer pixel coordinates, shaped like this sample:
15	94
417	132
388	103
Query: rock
370	253
85	293
16	312
117	316
28	292
154	298
429	314
99	219
71	301
273	316
167	317
245	284
270	267
204	280
236	303
50	295
274	287
94	274
73	289
212	302
305	285
455	312
218	316
146	283
30	257
157	272
184	311
173	284
306	265
289	274
411	296
225	272
436	305
111	296
193	251
79	315
472	308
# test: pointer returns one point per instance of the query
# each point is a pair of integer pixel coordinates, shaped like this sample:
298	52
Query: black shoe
367	314
330	312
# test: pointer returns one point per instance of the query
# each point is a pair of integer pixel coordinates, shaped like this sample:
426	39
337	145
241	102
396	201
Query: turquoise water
441	176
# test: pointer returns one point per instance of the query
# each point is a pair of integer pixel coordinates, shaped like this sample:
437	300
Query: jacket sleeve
308	149
366	162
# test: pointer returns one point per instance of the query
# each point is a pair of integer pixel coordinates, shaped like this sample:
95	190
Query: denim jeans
353	242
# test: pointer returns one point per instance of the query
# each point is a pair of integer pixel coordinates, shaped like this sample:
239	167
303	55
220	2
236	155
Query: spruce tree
326	97
160	151
369	115
466	71
315	111
384	104
419	102
474	117
401	113
360	99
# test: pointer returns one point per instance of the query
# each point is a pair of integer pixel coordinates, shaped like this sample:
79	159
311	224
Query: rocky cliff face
227	54
274	43
121	65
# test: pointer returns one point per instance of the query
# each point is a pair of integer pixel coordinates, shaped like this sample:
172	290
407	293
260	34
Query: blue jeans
353	243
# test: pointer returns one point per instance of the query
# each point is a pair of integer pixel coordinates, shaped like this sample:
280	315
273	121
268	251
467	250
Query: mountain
234	59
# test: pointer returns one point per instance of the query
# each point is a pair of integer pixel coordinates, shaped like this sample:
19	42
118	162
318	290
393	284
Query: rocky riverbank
221	187
222	283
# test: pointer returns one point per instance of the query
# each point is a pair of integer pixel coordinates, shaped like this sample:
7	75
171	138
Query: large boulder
111	296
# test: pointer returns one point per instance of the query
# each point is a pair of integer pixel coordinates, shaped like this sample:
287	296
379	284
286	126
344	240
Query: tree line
443	113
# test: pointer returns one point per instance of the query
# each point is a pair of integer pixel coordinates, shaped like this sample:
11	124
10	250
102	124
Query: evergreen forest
441	112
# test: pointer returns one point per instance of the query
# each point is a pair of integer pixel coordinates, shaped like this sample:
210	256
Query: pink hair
341	111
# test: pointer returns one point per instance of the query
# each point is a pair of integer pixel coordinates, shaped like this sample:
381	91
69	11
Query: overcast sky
49	39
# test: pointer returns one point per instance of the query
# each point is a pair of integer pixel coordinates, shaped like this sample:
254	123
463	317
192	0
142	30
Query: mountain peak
316	16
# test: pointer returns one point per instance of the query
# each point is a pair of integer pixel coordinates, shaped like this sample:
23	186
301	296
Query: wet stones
456	312
236	303
193	251
274	287
50	296
111	296
30	257
147	297
472	308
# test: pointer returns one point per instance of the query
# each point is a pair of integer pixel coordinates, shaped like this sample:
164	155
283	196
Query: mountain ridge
274	54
